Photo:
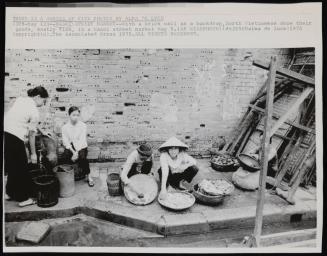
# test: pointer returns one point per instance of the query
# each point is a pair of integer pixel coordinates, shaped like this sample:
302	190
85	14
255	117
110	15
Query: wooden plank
293	108
290	149
307	162
265	148
301	64
234	141
286	72
263	92
299	126
245	139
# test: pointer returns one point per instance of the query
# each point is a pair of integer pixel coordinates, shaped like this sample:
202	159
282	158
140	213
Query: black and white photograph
163	128
160	147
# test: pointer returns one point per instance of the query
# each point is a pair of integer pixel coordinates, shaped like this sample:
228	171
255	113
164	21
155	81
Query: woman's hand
126	182
132	187
33	158
75	156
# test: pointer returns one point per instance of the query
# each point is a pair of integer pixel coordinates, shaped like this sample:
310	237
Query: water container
65	175
113	183
33	175
47	190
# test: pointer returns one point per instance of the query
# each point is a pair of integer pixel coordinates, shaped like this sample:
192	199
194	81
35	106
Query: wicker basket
114	185
248	163
225	168
207	199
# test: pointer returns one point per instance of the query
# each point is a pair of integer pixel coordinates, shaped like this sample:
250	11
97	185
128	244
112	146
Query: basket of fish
177	201
212	192
224	163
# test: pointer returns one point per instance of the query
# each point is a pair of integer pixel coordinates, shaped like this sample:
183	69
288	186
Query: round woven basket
224	168
248	162
207	199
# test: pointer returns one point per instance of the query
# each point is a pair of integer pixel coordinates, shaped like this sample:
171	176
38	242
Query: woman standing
20	125
74	140
176	166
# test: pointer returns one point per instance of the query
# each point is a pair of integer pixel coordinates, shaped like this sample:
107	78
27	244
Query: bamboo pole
265	148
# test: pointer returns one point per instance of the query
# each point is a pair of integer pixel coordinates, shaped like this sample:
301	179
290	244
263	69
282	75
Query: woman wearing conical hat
176	166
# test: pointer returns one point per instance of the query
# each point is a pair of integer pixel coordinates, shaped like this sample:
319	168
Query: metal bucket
65	175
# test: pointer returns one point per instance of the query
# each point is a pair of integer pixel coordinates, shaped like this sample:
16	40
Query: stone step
288	237
306	243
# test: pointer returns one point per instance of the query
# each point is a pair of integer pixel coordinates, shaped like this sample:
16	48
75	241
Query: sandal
27	202
91	183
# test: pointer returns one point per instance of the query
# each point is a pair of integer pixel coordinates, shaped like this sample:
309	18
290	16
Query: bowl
205	198
248	162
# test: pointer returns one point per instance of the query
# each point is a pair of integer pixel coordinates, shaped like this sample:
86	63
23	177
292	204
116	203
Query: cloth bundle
245	179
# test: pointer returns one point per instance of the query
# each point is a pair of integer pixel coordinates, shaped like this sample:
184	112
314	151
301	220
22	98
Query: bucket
33	175
65	175
78	173
47	190
113	183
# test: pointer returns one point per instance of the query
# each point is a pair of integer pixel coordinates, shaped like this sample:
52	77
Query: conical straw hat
173	142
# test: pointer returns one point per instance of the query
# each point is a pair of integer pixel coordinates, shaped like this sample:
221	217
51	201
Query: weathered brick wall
150	94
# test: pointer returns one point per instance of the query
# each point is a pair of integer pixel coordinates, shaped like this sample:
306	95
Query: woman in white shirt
176	166
74	134
20	126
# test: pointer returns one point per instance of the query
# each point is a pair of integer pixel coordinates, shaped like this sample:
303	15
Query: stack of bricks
142	94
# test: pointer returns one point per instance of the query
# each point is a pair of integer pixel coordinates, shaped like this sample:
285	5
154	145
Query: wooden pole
265	149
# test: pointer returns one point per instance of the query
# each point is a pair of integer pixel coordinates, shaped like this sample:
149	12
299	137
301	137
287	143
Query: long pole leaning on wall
254	241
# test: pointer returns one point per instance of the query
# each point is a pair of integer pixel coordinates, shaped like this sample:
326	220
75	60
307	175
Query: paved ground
237	209
81	230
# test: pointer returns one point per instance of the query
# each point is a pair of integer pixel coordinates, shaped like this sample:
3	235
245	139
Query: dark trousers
82	160
145	169
19	182
175	178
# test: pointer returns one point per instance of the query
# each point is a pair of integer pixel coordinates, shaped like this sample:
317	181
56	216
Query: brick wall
142	94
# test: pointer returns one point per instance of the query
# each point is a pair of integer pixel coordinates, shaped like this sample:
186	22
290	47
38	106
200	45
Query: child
74	140
139	161
176	165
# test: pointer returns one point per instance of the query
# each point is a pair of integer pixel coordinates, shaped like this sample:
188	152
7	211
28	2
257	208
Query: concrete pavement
237	210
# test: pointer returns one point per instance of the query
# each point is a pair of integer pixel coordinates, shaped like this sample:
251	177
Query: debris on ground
33	232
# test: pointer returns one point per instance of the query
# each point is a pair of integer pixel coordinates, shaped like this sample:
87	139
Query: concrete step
306	243
289	239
